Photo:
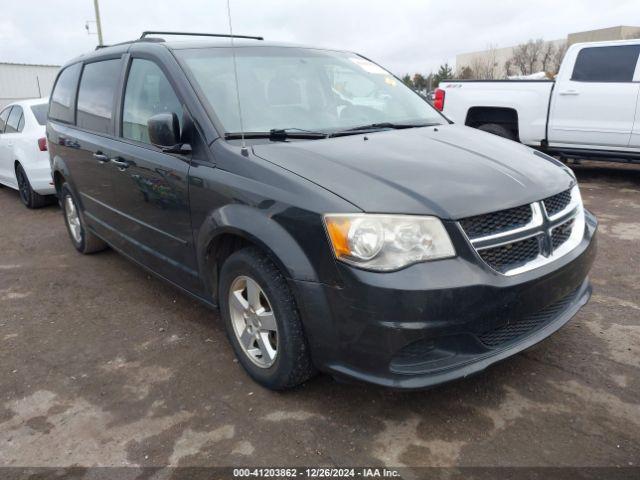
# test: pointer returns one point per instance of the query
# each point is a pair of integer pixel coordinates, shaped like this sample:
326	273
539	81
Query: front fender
257	227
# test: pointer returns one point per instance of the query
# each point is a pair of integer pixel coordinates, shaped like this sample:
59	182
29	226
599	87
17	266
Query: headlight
387	242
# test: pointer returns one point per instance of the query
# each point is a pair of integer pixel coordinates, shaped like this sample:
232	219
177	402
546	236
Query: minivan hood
450	171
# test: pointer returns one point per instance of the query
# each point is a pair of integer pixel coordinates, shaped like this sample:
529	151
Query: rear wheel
262	321
498	129
28	197
83	239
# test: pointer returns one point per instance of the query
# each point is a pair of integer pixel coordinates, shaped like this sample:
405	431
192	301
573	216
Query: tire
29	198
499	130
82	239
291	364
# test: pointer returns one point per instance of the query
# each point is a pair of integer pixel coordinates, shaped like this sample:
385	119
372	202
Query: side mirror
164	129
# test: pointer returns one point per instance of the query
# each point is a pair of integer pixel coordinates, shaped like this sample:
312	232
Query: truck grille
516	329
557	203
518	239
496	222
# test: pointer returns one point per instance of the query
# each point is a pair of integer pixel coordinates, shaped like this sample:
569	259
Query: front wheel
262	321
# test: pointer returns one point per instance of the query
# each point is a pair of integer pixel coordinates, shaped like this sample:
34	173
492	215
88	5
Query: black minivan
337	220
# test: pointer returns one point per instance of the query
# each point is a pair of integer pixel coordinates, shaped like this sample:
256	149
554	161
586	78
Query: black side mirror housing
164	129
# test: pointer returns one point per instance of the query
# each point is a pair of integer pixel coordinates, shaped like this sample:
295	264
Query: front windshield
297	88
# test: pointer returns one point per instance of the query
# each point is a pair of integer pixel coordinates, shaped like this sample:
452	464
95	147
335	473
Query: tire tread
301	367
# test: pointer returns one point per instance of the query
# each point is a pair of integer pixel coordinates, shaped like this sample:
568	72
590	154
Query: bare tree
508	67
526	56
519	58
485	67
465	73
546	56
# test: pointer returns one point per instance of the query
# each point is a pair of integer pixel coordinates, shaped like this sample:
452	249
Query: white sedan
24	160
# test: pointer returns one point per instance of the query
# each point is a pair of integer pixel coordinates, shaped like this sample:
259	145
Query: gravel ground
102	364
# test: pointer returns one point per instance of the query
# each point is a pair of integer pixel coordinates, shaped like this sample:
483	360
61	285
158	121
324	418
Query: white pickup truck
591	110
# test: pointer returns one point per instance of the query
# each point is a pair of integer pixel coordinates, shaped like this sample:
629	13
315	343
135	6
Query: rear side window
3	118
96	95
13	122
148	93
40	112
61	104
606	64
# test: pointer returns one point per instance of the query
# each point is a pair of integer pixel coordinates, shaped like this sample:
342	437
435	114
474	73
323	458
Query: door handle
121	164
569	92
101	157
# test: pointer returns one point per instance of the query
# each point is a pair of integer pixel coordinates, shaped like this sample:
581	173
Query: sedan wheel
254	322
28	196
23	186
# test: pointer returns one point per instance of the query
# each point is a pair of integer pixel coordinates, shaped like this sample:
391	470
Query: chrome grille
495	222
522	238
513	254
561	234
557	203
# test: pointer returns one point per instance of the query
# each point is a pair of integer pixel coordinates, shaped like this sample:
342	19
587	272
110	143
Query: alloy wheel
73	219
23	185
254	322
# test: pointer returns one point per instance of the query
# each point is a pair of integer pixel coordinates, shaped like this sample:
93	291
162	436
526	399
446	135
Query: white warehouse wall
22	81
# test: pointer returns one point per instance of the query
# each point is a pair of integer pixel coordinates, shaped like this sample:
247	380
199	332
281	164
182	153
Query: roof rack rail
196	34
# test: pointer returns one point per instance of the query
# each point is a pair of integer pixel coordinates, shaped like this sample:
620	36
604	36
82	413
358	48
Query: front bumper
439	321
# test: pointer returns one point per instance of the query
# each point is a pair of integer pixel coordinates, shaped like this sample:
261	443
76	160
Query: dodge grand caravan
338	221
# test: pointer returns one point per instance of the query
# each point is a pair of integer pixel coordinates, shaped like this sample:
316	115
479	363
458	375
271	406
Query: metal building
19	81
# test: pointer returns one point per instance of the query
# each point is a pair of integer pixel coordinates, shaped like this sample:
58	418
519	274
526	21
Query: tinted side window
3	118
21	123
148	93
64	93
606	64
96	94
40	112
14	120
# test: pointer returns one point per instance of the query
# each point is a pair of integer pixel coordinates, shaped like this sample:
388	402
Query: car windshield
299	88
40	112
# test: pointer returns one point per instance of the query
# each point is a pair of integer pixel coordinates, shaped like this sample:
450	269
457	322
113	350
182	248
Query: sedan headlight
387	242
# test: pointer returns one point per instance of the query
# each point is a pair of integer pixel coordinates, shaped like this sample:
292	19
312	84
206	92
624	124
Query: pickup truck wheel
28	196
83	240
498	129
262	321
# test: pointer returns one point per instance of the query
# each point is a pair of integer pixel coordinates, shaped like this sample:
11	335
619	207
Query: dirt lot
101	364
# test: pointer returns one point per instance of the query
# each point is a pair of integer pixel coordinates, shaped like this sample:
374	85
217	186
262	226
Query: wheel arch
232	227
60	174
505	116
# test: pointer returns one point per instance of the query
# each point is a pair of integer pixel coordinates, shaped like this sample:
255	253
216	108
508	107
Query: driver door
152	188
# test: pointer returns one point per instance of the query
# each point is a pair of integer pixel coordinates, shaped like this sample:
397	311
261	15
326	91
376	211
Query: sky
405	36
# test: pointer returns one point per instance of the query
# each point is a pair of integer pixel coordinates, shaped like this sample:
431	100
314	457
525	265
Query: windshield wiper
277	134
380	126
